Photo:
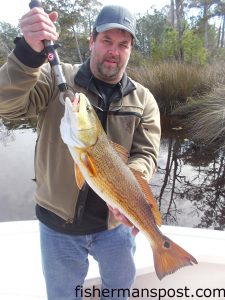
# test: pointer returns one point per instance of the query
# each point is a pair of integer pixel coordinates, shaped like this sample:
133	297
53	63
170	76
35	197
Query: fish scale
126	193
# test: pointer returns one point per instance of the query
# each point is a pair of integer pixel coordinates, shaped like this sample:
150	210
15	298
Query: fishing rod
53	59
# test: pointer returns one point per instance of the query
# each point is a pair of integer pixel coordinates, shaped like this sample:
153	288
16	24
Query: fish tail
169	257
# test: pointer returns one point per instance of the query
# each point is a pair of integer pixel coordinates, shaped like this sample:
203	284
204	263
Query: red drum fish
100	163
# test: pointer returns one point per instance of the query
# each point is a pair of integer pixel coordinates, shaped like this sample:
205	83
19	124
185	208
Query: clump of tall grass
206	120
173	84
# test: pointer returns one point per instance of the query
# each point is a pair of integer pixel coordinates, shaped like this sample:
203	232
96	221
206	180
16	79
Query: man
74	224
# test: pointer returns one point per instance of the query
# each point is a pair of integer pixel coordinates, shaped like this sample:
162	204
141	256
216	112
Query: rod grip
52	55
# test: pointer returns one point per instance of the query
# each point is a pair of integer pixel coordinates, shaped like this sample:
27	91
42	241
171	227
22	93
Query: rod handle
52	55
35	3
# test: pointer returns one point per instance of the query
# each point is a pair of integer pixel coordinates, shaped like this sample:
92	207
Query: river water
189	185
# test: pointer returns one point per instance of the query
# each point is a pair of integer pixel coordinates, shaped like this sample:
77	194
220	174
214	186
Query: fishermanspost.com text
153	293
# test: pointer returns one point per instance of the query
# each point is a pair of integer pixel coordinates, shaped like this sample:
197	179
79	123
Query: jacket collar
84	78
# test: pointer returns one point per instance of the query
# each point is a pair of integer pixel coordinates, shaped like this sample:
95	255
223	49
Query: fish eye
166	244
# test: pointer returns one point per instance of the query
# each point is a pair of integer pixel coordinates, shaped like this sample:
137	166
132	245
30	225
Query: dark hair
94	33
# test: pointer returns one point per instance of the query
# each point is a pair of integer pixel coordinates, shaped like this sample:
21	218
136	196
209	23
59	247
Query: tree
194	50
208	10
150	27
74	23
180	26
7	36
167	48
220	12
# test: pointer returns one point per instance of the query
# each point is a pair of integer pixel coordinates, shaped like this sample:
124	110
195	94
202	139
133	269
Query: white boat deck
21	275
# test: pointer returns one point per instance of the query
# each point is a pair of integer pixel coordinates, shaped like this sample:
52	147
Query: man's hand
37	26
120	217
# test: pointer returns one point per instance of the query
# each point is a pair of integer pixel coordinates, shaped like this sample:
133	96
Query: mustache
112	58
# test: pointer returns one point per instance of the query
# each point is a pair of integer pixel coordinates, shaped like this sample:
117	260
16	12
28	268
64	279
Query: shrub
173	84
206	120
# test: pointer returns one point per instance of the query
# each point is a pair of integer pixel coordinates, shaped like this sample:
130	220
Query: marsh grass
195	94
173	84
206	120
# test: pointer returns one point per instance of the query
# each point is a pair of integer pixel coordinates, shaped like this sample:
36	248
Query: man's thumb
53	16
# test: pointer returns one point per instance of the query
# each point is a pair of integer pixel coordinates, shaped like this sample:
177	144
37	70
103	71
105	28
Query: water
16	172
189	185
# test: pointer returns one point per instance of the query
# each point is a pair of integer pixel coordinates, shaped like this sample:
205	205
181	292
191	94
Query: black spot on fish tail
166	244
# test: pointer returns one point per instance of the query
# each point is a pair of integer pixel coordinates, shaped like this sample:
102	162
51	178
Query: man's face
110	53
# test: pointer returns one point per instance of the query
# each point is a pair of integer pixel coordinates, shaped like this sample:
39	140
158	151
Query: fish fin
79	177
121	151
148	195
88	162
169	257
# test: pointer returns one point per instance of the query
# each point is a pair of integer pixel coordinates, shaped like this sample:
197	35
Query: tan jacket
26	92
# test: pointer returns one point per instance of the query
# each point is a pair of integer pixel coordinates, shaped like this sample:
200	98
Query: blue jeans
65	262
